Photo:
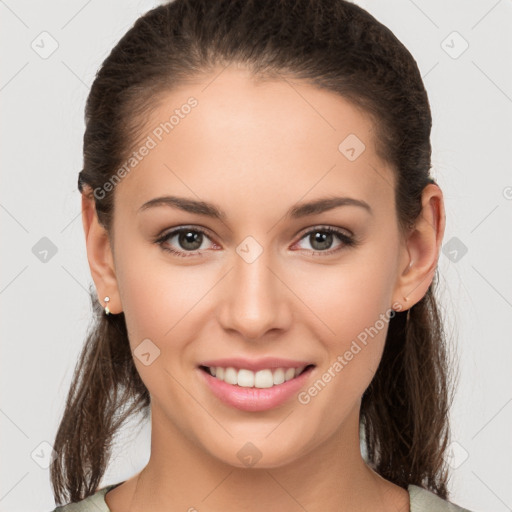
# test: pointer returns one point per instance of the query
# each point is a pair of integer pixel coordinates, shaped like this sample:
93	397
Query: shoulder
421	501
94	503
426	501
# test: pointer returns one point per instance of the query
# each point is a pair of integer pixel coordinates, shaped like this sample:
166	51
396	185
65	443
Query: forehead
227	133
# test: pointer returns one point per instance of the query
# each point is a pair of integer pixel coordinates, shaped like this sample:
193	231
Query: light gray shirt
421	501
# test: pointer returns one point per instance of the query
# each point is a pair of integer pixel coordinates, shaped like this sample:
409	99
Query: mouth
261	379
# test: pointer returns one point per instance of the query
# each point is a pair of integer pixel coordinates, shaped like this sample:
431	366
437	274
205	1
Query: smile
265	378
253	391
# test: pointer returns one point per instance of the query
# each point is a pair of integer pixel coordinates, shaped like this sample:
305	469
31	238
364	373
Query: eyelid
325	227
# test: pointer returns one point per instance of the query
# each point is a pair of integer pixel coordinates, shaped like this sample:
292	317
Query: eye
321	239
188	240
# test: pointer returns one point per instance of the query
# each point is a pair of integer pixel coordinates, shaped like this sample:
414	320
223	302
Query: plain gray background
464	52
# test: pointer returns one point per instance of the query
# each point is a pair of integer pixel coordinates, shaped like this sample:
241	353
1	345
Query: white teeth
260	379
231	376
289	373
298	371
263	379
245	378
278	376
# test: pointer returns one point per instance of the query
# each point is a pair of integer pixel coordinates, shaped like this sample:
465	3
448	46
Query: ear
421	249
99	254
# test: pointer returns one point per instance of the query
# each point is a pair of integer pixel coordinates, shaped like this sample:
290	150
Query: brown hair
334	45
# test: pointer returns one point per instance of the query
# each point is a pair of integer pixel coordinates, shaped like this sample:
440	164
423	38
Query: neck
331	476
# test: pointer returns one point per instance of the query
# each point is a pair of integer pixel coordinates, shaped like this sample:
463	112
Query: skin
256	149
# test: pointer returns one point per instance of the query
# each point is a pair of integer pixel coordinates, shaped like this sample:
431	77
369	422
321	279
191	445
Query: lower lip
255	399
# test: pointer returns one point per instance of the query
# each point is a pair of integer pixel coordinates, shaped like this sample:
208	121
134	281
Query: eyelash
346	240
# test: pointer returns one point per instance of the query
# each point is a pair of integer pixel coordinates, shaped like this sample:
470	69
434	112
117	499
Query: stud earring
107	311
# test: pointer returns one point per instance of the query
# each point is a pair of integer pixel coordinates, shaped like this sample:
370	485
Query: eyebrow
298	211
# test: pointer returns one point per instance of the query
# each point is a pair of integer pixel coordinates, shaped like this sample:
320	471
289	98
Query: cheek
352	306
353	351
160	300
351	296
147	286
155	311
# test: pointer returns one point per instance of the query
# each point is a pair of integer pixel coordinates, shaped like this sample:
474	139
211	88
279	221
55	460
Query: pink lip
255	364
254	399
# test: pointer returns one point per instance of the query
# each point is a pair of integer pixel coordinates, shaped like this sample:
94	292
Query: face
265	279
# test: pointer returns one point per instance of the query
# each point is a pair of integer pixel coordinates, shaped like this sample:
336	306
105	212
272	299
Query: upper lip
255	364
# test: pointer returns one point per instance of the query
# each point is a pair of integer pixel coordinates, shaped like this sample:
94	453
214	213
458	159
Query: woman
263	234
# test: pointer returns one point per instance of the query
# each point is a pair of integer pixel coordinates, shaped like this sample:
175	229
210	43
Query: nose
255	301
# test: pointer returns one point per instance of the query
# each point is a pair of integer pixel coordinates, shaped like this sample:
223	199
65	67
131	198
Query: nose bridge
254	301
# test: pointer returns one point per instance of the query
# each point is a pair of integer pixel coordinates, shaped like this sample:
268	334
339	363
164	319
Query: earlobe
421	250
99	255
